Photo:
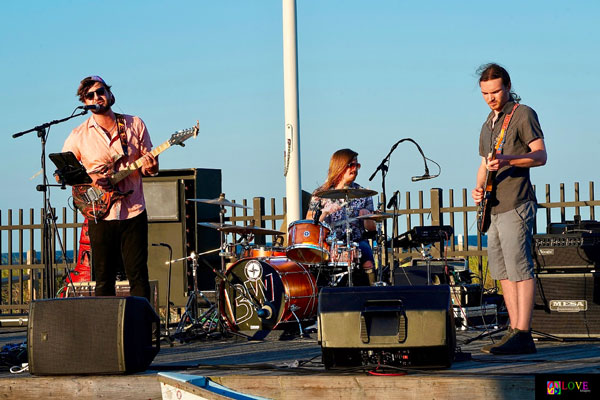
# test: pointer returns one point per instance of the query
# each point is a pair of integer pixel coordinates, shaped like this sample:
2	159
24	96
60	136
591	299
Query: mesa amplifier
568	305
567	251
394	325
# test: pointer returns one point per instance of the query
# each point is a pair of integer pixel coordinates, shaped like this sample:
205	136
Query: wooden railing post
258	205
437	218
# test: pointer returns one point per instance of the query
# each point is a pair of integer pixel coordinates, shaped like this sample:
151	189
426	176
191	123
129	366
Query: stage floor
292	369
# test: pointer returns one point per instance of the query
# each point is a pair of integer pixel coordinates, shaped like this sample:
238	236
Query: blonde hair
337	166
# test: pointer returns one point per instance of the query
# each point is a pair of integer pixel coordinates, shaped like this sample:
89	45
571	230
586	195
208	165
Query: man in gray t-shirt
513	204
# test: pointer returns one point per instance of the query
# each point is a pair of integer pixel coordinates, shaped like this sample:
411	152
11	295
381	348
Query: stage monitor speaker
92	335
403	325
568	305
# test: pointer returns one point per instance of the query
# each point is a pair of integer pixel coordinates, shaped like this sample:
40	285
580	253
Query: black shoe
487	348
520	342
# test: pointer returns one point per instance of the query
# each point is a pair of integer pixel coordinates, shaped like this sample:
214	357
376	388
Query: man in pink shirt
105	143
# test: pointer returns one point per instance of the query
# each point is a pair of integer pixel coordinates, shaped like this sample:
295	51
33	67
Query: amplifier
468	295
568	305
405	325
577	225
88	289
567	251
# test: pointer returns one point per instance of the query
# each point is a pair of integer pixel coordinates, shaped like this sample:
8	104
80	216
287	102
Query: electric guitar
484	218
94	203
484	212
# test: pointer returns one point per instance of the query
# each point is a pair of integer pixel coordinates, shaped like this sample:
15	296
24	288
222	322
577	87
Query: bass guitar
94	203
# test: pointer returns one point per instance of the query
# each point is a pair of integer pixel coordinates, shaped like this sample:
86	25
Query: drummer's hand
330	209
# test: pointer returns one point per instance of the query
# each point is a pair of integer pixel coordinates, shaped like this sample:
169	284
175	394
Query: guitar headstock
181	136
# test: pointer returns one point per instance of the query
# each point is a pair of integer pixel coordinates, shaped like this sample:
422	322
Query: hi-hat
221	201
376	216
242	230
349	193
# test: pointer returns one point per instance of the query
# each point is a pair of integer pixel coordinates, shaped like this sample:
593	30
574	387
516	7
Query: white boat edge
176	386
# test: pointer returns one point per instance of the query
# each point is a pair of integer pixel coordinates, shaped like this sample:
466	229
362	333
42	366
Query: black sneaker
520	342
507	335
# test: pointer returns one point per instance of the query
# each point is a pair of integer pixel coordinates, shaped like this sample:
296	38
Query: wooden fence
23	273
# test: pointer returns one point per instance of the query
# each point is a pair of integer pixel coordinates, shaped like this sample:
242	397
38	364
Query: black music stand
69	170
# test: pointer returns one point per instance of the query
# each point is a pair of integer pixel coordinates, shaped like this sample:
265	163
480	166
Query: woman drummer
343	168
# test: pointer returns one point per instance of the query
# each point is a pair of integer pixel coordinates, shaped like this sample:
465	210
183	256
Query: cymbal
220	202
376	216
242	230
350	193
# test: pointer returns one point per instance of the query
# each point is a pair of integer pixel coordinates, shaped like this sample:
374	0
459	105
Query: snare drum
264	252
307	242
342	255
282	285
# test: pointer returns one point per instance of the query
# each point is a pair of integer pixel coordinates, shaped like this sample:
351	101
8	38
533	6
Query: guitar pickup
92	195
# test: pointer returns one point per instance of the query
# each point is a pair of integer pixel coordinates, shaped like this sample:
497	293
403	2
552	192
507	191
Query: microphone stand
48	216
383	167
168	318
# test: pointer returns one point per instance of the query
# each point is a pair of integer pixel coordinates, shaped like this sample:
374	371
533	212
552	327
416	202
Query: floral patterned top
336	220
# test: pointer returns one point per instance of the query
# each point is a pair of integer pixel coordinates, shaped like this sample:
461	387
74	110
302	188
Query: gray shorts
509	243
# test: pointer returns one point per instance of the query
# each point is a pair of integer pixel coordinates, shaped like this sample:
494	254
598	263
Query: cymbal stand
426	256
394	202
190	317
380	249
348	237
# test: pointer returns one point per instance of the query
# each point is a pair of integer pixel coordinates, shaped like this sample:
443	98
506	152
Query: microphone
422	177
394	200
93	107
265	312
318	210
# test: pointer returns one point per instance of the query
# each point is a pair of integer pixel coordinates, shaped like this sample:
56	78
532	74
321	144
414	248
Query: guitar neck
124	173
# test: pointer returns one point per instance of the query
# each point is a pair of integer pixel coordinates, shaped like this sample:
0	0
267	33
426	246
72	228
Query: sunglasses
353	164
100	92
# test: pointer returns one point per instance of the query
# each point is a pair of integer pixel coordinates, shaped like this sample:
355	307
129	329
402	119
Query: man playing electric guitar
105	143
513	134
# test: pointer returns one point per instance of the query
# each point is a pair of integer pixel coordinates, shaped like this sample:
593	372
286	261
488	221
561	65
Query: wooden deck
292	369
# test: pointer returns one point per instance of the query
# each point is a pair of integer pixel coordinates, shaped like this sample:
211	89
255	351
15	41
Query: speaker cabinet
173	220
92	335
568	305
405	325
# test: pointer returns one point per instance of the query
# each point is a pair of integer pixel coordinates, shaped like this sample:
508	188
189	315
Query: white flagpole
292	126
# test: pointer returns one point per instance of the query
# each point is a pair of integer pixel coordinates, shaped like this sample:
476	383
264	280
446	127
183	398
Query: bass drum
277	285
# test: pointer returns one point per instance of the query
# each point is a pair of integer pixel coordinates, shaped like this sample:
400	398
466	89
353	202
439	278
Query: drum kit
261	288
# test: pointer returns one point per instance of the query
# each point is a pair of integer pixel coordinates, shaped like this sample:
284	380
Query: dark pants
120	242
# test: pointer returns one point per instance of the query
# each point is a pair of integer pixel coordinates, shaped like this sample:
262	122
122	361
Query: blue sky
370	73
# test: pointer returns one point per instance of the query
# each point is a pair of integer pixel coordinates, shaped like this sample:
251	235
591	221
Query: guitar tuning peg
182	144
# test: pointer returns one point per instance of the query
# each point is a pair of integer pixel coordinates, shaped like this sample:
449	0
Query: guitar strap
122	134
501	139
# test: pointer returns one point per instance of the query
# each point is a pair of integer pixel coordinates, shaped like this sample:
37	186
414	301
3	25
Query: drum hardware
376	216
221	201
293	309
346	193
191	324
